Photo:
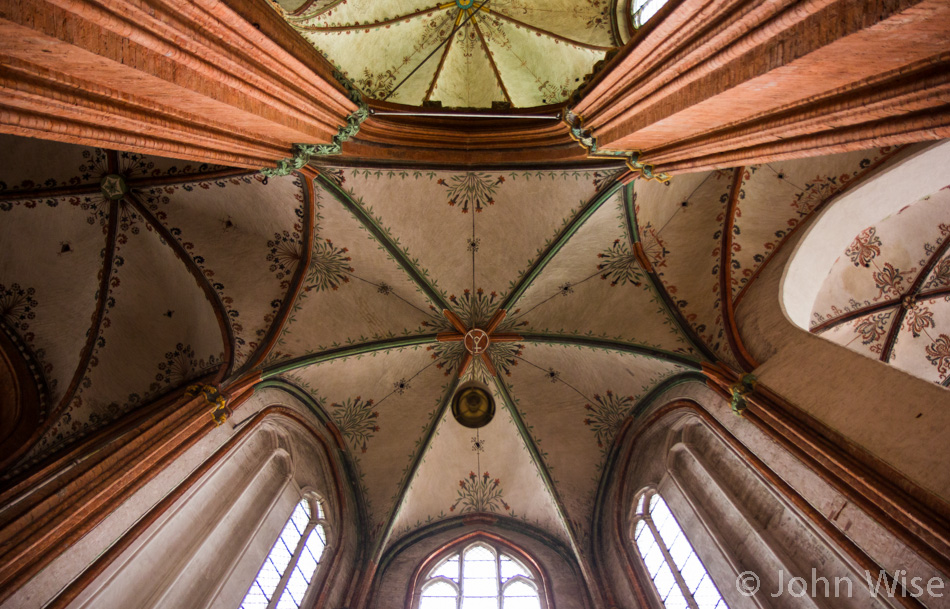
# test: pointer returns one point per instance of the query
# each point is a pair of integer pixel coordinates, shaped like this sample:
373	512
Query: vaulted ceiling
888	294
125	277
507	53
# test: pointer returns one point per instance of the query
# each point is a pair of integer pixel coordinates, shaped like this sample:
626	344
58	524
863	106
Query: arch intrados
899	183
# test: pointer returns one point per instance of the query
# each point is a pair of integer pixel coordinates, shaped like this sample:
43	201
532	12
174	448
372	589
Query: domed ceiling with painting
504	53
125	278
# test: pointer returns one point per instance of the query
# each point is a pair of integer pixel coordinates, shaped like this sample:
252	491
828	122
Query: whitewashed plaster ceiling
516	53
888	294
682	222
334	289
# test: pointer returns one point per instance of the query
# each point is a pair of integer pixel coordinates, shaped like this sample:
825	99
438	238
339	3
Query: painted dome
503	53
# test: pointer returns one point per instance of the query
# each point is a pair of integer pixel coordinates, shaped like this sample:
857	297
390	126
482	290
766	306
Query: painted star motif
113	187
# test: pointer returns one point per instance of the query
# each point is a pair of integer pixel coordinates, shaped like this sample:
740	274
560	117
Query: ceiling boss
477	341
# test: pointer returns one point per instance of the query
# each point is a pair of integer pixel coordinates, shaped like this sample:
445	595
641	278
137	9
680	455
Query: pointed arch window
678	576
480	577
291	565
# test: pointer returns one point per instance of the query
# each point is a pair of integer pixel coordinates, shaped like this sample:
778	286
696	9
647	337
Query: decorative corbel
302	153
739	390
220	411
588	141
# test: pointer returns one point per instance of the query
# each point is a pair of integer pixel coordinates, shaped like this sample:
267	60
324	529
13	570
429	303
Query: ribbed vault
135	276
461	53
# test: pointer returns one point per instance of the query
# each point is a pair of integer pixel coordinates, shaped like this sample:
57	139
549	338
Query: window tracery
292	563
678	575
480	576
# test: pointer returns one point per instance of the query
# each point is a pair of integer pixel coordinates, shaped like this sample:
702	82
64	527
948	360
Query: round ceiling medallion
476	341
472	405
464	3
113	187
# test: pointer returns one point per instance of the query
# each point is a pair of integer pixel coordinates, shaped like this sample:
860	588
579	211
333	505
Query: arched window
292	562
679	577
642	10
480	577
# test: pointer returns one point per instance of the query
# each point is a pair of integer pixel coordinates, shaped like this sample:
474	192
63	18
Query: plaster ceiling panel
353	291
866	334
922	346
489	470
683	243
573	401
40	164
247	238
513	216
776	198
159	332
591	286
383	403
938	279
49	272
377	59
466	78
587	21
537	70
884	260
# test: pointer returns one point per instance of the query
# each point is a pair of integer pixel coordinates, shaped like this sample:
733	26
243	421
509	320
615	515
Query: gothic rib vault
507	53
126	289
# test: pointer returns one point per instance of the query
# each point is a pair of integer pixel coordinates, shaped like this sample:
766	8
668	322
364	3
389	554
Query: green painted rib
677	379
545	475
611	462
599	343
348	351
380	235
630	214
555	246
414	468
672	310
349	469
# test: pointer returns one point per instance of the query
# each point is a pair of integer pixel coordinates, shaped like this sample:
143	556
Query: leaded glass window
679	577
642	10
292	562
480	577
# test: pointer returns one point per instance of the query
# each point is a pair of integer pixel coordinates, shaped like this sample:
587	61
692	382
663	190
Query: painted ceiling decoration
735	220
371	295
124	287
888	294
461	53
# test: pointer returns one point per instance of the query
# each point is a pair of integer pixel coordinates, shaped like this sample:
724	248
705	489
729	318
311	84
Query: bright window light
479	577
675	569
289	568
642	10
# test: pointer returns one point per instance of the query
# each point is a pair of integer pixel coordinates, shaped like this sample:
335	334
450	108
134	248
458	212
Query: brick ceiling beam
729	82
227	83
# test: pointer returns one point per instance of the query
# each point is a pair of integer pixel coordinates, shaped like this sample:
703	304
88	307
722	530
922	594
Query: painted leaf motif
620	265
479	494
938	354
889	281
918	319
871	328
865	247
